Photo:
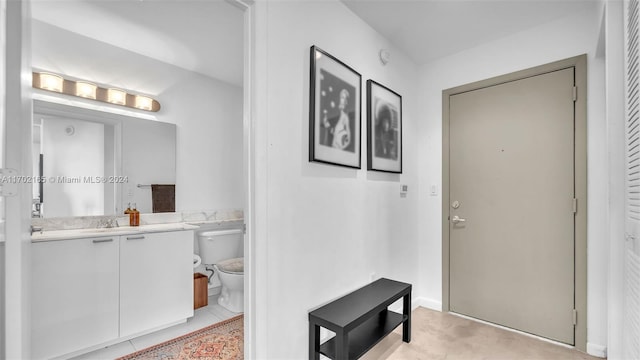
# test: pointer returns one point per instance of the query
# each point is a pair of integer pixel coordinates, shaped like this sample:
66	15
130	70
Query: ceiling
206	36
201	36
429	29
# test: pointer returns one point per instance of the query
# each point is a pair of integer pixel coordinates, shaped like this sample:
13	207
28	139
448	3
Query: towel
163	198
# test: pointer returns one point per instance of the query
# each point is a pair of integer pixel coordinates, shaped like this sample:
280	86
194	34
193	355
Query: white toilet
222	250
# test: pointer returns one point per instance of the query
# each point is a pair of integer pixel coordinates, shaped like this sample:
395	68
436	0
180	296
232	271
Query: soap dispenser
134	216
128	210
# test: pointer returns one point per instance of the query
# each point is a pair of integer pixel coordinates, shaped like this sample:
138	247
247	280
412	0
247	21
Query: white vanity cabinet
92	292
156	280
75	294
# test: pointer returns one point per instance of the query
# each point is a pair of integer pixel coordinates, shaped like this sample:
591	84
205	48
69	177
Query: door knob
456	219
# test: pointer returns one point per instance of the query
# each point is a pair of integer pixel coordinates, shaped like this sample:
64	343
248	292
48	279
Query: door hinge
575	205
575	93
8	182
244	228
575	317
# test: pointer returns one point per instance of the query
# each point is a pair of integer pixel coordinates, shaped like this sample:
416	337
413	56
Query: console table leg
406	310
342	345
314	342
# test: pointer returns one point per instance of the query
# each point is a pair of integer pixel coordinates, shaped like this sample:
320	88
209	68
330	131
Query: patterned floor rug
221	341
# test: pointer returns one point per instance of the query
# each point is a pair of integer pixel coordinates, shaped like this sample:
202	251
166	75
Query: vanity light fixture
117	96
51	82
88	90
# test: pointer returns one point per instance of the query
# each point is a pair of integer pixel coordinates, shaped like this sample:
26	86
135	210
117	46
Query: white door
512	204
15	137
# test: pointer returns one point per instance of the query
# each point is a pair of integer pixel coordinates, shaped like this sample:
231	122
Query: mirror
90	162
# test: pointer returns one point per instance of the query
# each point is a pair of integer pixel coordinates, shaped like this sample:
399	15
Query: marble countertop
227	222
51	235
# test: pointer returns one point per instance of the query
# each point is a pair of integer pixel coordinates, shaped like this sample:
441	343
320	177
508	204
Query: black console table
360	320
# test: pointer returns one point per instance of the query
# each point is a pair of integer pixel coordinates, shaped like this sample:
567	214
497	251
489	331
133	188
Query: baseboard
417	302
597	350
429	303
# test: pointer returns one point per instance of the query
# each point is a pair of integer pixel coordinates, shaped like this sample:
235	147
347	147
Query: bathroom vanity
96	287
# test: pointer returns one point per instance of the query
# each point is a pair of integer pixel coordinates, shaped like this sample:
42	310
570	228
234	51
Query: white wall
554	41
208	116
206	111
322	230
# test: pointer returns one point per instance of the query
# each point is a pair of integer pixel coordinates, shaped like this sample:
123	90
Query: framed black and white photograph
334	111
384	123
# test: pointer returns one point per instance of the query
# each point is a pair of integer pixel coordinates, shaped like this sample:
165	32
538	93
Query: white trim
419	302
3	57
429	303
249	175
397	306
257	150
615	115
17	139
597	350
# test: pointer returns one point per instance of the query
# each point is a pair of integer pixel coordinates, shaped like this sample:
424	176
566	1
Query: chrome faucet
36	211
36	229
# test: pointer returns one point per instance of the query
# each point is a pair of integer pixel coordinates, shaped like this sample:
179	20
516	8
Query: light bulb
51	82
86	89
117	96
144	102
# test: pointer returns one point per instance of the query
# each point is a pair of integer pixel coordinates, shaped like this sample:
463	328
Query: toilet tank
218	245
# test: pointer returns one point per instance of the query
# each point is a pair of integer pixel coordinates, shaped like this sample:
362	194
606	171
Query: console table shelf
360	320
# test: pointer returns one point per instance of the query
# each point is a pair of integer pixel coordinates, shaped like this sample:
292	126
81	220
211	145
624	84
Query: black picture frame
384	128
334	111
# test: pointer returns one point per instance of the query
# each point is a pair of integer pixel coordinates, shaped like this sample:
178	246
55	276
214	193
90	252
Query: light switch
433	190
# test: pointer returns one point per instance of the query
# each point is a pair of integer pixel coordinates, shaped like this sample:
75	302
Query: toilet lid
232	265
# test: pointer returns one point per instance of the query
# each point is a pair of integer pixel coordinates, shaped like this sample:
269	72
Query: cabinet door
156	280
74	295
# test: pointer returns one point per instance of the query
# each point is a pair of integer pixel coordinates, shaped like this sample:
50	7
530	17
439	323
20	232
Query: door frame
17	149
579	63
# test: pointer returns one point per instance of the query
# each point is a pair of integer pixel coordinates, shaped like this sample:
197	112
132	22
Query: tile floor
204	316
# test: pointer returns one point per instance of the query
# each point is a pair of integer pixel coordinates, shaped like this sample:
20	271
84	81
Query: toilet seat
232	266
